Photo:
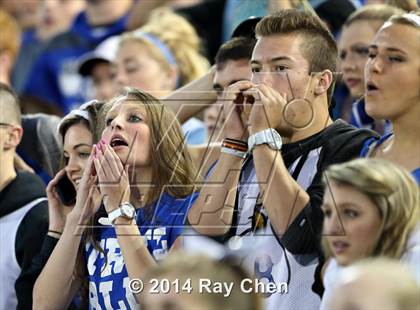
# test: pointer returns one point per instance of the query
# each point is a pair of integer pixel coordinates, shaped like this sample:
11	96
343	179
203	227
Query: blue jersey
373	143
160	225
360	119
54	78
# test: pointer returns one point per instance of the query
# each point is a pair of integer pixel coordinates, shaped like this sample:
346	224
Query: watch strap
119	212
267	136
114	214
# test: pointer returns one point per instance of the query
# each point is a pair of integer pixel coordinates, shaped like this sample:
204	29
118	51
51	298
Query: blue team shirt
360	119
374	143
54	78
160	225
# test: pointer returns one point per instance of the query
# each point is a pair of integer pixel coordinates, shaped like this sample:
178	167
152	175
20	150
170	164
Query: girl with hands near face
112	177
104	247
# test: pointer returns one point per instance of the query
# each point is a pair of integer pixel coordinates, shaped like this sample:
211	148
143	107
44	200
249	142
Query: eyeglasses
6	125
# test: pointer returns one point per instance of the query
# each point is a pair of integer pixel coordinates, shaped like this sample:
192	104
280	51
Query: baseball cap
246	28
104	52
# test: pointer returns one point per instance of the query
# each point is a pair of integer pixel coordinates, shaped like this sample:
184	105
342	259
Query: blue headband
166	52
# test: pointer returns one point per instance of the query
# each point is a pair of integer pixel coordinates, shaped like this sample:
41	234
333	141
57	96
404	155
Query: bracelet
236	140
237	145
55	232
239	142
232	151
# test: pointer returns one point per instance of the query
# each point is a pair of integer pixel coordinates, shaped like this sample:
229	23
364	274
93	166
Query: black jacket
25	188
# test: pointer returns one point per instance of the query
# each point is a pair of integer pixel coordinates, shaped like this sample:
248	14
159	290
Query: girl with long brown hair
145	177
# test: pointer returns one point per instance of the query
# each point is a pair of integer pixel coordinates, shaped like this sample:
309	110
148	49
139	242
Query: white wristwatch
268	136
126	210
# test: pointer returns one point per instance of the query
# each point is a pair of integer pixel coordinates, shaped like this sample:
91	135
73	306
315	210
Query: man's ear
14	137
324	81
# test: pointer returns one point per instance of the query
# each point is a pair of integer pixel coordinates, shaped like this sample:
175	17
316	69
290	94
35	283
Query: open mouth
118	142
371	87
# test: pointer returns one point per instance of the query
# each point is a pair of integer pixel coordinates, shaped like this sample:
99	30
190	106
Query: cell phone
66	191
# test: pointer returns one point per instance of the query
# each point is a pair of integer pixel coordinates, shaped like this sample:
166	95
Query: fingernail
104	141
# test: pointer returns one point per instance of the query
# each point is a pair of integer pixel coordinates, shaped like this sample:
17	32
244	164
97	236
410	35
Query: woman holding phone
146	179
77	130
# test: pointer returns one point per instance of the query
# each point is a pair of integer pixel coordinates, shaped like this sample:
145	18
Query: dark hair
13	106
235	49
318	45
94	110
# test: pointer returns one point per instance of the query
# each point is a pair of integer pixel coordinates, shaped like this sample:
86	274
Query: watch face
127	210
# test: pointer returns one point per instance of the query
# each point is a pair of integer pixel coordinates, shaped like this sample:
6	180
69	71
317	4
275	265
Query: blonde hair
10	34
399	284
373	12
410	19
172	168
392	189
406	5
183	266
180	37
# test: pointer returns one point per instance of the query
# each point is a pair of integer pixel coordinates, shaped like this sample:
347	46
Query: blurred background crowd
57	55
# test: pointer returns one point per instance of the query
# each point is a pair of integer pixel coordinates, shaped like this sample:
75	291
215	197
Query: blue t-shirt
373	143
360	119
160	225
54	77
